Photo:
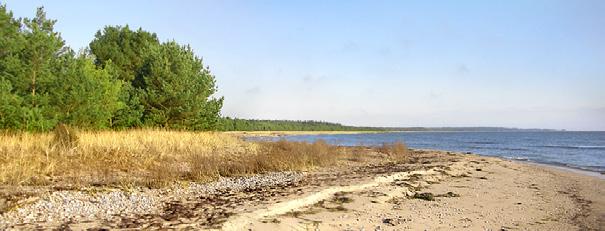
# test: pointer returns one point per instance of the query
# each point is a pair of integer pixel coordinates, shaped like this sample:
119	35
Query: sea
579	150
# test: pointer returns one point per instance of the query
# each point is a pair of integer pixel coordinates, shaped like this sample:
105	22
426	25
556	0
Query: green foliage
43	47
30	49
177	88
39	118
126	49
12	43
130	110
125	52
11	115
86	96
126	79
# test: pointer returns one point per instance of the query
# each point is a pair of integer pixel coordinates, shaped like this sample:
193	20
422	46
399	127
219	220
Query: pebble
63	206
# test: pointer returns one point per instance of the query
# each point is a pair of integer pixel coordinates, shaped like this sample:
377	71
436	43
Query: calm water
584	150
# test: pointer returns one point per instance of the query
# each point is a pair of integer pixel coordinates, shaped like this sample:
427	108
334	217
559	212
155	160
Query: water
582	150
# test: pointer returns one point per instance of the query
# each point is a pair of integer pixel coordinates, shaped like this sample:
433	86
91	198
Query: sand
485	194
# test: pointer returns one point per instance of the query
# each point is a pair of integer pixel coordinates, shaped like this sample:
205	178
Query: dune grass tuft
397	151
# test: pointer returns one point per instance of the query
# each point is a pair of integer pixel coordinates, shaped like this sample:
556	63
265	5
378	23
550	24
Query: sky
517	63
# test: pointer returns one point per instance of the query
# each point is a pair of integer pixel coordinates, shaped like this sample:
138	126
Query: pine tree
85	96
127	51
177	90
29	49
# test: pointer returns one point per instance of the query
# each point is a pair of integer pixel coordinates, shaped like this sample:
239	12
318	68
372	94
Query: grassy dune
153	157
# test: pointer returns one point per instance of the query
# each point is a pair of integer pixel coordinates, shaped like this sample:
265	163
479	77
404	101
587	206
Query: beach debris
396	200
373	194
274	220
449	194
427	196
336	203
340	198
393	221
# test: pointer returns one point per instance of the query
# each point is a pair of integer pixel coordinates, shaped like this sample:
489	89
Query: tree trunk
34	88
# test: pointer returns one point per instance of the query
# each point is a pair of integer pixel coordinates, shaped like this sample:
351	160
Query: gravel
64	206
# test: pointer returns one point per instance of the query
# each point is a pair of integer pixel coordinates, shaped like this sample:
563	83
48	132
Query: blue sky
529	64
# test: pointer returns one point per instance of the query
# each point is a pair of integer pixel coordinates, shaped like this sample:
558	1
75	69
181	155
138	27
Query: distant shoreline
286	133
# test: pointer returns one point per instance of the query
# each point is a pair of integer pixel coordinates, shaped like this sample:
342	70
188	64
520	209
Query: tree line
234	124
125	78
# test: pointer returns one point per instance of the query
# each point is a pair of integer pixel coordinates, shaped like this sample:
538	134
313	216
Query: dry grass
146	157
397	151
156	157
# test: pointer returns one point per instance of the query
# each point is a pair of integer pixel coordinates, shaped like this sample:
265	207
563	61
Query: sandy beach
433	190
471	193
475	194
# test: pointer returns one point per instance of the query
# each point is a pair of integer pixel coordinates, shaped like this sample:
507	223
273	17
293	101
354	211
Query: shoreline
556	166
595	174
560	166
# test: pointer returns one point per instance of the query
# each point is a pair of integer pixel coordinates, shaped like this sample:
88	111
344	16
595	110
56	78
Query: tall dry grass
397	151
146	157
